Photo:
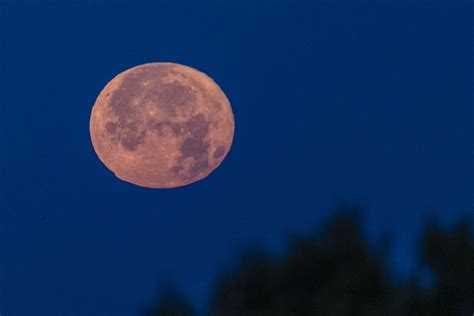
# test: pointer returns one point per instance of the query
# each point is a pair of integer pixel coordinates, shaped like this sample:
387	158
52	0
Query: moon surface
162	125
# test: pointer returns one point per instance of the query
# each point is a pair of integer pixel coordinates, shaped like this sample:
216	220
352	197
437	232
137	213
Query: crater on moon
162	125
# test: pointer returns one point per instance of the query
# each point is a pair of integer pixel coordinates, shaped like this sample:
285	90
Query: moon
162	125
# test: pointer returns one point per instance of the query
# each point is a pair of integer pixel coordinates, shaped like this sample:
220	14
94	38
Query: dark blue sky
361	101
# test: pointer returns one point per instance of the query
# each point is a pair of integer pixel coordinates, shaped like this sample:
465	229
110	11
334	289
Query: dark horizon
368	102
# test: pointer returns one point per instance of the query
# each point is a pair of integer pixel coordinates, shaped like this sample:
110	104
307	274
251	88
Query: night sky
361	101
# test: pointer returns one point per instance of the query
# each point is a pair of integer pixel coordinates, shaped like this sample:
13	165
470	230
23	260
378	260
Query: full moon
162	125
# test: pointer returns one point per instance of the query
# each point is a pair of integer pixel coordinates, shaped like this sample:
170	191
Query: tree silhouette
333	275
450	256
337	273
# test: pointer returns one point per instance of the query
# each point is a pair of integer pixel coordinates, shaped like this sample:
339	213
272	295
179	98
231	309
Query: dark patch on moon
198	167
196	146
192	147
176	169
219	152
198	126
132	137
130	141
111	127
122	98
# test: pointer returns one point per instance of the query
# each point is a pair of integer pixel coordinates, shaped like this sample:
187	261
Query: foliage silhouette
451	258
337	273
